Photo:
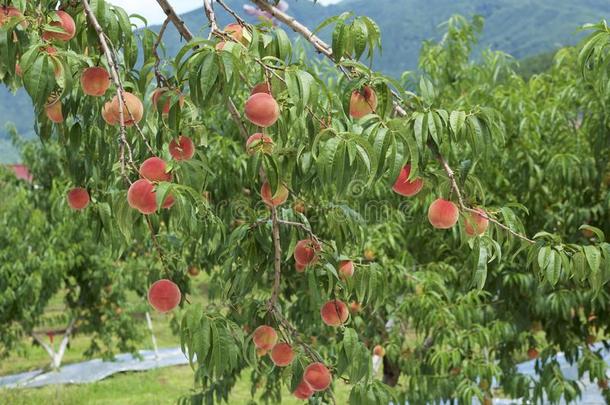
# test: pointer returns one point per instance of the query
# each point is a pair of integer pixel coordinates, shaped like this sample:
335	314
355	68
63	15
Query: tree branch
277	258
209	13
176	20
160	77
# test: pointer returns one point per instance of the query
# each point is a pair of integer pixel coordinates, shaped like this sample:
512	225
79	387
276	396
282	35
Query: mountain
521	28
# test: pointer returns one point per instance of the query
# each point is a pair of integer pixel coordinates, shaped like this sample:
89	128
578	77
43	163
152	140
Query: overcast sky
150	10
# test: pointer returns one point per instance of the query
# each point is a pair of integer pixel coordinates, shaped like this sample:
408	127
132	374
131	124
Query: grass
154	387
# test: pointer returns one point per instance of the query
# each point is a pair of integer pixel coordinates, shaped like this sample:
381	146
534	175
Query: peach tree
449	223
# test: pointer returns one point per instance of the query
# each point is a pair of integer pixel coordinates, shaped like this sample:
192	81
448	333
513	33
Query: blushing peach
443	214
78	198
334	313
262	110
132	105
405	187
10	12
303	391
263	87
259	142
282	354
141	196
220	46
182	148
261	352
476	224
306	252
95	81
157	93
274	200
300	268
264	337
317	376
66	23
346	269
378	350
53	111
532	353
168	202
355	307
155	169
362	102
237	32
164	295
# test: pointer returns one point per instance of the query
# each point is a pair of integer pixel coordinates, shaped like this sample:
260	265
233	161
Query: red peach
443	214
182	148
282	354
158	92
476	224
142	197
317	376
10	12
334	313
237	32
264	337
303	391
300	268
95	81
193	271
155	169
53	111
362	102
168	202
405	187
346	269
263	87
259	142
532	353
274	200
66	23
378	350
262	110
306	252
355	307
164	295
132	105
78	198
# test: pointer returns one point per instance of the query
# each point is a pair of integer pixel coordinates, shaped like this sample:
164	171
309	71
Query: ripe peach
53	110
263	87
532	353
405	187
279	198
158	92
220	46
355	307
300	268
299	206
78	198
10	12
164	295
237	32
168	202
66	23
476	224
182	148
193	271
261	352
95	81
334	313
155	169
262	110
369	254
282	354
378	350
18	70
142	197
264	337
111	115
362	102
317	376
346	269
303	391
306	252
443	214
259	142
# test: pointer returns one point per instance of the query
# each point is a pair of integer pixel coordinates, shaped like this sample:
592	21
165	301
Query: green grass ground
154	387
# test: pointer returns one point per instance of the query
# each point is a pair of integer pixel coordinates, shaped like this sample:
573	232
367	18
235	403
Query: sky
150	10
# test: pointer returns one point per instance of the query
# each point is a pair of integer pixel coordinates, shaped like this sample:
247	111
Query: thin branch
277	258
237	118
303	227
176	20
209	13
160	77
228	9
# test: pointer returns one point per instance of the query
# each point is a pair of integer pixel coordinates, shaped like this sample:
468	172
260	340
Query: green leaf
593	256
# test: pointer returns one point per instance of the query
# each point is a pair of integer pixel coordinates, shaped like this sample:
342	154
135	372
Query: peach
111	115
237	32
164	295
155	169
259	142
53	111
95	81
279	198
10	12
182	148
142	197
306	252
168	202
193	271
18	70
78	198
476	224
303	391
532	353
261	352
264	337
263	87
405	187
378	350
334	313
317	376
355	307
346	269
158	92
300	268
362	102
66	23
220	46
443	214
282	354
262	110
369	254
